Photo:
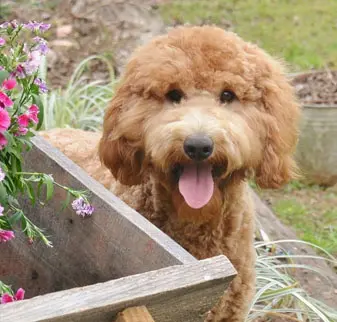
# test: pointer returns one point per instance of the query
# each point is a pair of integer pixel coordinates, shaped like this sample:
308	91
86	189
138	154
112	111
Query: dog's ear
282	110
120	149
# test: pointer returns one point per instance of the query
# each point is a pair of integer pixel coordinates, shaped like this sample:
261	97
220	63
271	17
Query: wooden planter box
105	263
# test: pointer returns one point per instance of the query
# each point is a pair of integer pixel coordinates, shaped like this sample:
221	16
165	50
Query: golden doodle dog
197	113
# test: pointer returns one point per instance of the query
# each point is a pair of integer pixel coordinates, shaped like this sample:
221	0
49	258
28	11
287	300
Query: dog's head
195	107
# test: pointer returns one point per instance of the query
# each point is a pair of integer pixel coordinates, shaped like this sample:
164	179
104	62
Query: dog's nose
198	147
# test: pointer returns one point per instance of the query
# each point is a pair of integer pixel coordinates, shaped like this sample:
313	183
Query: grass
310	210
300	31
278	294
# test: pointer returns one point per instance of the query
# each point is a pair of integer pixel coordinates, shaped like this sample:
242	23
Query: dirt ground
80	28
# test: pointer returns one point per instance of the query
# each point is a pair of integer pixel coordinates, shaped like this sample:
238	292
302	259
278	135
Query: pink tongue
196	185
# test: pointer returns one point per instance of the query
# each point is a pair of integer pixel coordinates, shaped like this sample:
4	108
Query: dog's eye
175	95
227	96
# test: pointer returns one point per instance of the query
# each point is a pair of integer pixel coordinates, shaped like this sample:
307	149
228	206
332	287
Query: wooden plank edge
91	303
133	217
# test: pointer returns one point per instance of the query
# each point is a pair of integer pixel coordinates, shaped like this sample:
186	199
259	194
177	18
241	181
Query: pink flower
9	84
3	141
6	235
5	120
19	72
2	41
33	111
23	120
19	295
21	131
5	101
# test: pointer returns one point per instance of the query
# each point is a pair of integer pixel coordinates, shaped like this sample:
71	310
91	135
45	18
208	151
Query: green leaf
13	201
3	195
49	185
5	289
3	75
38	191
16	217
25	226
37	100
34	89
31	193
66	202
11	188
15	152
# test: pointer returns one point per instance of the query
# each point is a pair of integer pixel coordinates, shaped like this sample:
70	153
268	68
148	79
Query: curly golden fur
254	133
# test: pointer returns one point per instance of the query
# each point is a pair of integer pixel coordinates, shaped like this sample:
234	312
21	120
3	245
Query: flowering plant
21	112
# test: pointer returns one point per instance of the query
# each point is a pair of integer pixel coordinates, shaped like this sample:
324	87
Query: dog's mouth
196	182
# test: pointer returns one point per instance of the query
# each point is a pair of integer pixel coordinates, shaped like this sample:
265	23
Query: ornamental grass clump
22	48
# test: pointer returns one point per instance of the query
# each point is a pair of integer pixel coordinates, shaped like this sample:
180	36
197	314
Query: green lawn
311	211
303	32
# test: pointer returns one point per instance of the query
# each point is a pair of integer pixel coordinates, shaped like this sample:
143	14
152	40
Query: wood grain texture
135	314
115	242
172	294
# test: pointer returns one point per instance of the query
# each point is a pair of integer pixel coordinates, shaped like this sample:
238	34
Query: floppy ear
278	166
120	149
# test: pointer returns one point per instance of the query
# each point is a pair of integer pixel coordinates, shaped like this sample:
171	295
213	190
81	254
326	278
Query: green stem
71	191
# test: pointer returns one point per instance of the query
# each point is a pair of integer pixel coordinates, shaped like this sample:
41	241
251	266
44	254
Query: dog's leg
235	304
239	248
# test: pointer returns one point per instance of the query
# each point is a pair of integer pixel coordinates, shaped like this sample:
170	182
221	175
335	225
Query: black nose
198	147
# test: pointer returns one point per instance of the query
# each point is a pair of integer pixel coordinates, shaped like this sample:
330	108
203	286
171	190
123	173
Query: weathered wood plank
135	314
177	293
116	241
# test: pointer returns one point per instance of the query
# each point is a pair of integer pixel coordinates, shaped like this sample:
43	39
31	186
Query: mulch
318	88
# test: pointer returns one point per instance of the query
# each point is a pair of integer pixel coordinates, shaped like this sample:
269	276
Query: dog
198	112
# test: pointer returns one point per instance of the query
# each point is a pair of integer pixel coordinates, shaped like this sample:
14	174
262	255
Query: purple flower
41	45
4	25
25	48
42	85
82	208
33	62
37	26
13	24
1	211
2	41
2	177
